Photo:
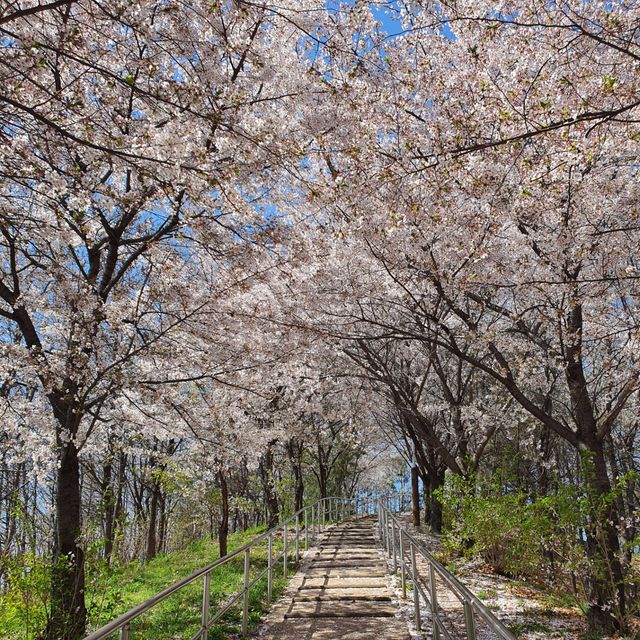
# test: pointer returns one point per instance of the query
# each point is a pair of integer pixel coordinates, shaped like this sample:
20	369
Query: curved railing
402	547
301	528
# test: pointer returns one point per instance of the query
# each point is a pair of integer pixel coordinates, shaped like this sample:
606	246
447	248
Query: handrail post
205	605
403	577
393	544
469	621
434	602
416	590
285	553
270	569
306	530
386	532
297	538
124	632
245	598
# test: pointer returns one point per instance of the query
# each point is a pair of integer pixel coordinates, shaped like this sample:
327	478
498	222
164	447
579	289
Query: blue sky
393	27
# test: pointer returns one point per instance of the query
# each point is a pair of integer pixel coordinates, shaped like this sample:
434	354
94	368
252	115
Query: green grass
111	592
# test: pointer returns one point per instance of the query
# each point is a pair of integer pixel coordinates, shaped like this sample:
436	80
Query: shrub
515	534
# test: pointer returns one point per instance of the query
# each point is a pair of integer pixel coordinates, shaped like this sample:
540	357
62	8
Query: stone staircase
340	591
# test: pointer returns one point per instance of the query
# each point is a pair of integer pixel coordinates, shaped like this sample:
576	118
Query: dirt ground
528	611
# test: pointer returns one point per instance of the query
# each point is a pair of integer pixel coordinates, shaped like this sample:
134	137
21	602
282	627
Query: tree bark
68	612
118	509
162	523
108	510
436	481
152	547
295	451
223	528
607	593
270	497
415	495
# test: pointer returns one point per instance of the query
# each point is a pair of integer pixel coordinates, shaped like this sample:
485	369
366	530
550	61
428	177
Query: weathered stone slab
357	544
340	551
344	583
342	564
344	556
340	593
358	609
338	628
347	572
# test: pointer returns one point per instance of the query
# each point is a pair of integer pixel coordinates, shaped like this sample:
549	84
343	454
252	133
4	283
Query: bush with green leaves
514	533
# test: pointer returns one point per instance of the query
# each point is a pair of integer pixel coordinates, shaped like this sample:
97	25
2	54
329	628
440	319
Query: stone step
350	530
343	628
354	551
341	610
371	595
353	534
367	544
370	542
357	564
347	572
345	557
344	546
344	583
362	532
338	542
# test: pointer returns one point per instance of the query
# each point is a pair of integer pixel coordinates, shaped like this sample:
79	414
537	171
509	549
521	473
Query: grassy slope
114	591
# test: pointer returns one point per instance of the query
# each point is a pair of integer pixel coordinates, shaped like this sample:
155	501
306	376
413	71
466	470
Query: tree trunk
607	596
425	495
162	523
295	458
270	497
118	509
322	480
68	611
108	510
223	528
415	495
436	481
152	548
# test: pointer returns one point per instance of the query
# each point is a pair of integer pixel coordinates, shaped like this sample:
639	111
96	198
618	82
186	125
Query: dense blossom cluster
232	224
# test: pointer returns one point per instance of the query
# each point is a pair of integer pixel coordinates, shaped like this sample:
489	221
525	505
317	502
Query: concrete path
340	591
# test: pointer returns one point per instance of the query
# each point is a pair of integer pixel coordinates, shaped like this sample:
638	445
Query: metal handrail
341	508
398	542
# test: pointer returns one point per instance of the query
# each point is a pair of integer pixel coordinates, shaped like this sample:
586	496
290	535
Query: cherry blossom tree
485	160
136	140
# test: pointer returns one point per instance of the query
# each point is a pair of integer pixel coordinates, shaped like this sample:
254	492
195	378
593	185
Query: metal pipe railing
403	548
316	518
